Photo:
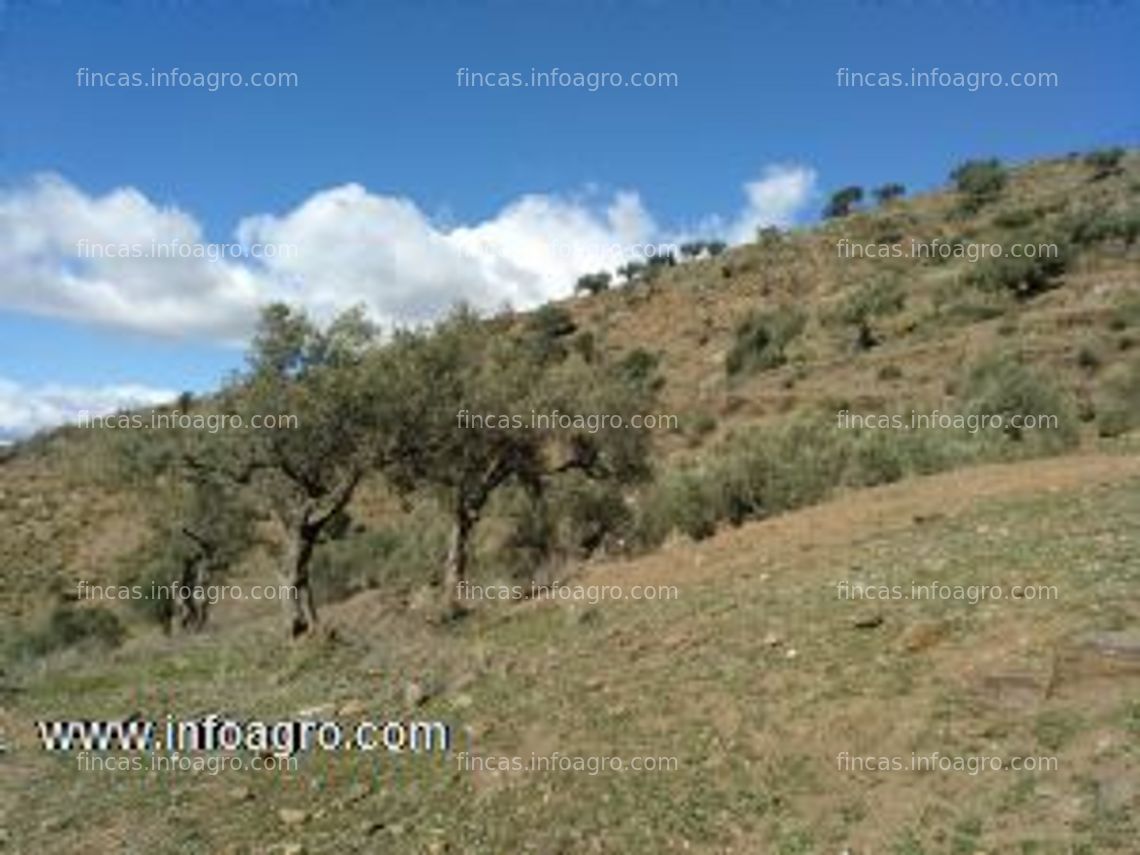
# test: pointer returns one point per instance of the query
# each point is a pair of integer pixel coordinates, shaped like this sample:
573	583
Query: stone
292	816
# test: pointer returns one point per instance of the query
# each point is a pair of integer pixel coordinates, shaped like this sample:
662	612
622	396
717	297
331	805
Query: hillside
758	674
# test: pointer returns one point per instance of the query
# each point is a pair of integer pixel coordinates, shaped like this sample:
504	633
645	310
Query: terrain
759	675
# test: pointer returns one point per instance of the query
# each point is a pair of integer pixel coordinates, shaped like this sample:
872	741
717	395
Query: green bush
397	557
1104	162
546	329
71	626
1018	218
843	201
1125	314
680	500
1022	277
1118	406
888	192
761	339
999	384
593	283
870	301
979	181
1106	226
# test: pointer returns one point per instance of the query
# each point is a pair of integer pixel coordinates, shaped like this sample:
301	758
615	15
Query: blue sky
398	188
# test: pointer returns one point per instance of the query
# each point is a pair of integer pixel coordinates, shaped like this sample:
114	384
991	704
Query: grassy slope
756	732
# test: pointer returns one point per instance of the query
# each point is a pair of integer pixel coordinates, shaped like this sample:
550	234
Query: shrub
639	368
397	557
1022	277
888	192
843	201
1106	226
1118	407
999	384
716	247
1089	356
632	271
979	181
875	299
761	339
546	327
701	424
70	626
593	283
680	500
1125	314
1016	219
769	237
1104	162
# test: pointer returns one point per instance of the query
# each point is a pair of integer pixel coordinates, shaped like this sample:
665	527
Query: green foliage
1104	226
70	626
761	339
1125	313
696	248
639	369
888	192
546	328
397	557
979	181
766	471
872	300
890	372
1016	219
633	271
1118	406
1000	384
1104	162
594	283
769	237
681	500
1022	277
843	201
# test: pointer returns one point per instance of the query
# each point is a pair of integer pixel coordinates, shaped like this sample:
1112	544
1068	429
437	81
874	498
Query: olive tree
330	404
491	410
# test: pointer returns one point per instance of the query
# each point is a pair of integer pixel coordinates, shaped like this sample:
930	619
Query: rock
372	826
462	701
415	695
772	640
1097	655
923	634
868	621
354	708
791	654
292	816
241	794
293	849
1011	691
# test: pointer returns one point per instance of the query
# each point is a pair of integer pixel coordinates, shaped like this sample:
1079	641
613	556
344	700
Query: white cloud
339	247
774	200
24	410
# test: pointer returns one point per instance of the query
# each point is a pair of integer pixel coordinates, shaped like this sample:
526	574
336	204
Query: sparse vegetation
887	192
979	182
761	339
593	283
1104	161
843	202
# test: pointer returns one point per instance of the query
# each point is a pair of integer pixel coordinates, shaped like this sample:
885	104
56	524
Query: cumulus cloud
120	260
50	231
26	409
773	200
